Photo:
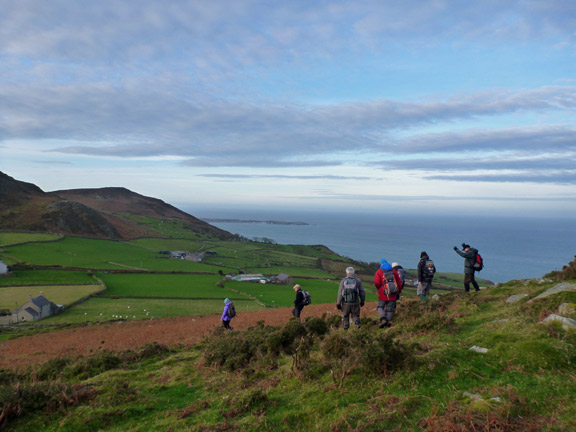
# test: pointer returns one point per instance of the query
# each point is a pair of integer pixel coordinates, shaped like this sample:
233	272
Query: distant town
270	222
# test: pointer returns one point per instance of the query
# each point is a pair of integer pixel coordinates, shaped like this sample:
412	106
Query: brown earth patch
19	353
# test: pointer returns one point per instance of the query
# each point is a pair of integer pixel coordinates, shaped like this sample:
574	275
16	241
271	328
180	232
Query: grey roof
40	301
31	312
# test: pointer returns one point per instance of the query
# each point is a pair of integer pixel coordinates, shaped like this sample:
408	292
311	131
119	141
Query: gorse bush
235	350
314	350
371	353
316	326
19	399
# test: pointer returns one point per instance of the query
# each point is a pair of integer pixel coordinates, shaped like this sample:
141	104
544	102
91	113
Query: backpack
401	273
478	262
350	292
231	312
429	269
388	283
306	299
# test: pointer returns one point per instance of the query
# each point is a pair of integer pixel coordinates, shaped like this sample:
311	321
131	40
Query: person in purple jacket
228	314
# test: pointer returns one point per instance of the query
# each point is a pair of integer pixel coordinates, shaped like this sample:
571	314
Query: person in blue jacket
228	314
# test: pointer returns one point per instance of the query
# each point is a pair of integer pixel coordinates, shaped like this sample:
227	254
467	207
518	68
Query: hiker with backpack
426	270
228	314
389	285
472	263
351	297
302	299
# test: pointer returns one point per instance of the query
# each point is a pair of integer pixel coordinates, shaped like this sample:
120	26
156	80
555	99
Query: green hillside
422	374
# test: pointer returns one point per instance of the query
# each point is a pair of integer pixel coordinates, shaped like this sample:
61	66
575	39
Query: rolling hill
111	212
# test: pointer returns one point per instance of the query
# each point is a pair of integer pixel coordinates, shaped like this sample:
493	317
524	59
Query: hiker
351	297
299	302
426	270
469	255
389	285
228	314
400	270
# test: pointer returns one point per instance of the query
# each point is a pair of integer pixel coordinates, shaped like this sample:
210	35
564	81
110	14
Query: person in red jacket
389	285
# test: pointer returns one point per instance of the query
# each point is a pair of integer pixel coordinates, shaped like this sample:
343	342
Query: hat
382	261
422	254
350	271
227	301
394	264
386	266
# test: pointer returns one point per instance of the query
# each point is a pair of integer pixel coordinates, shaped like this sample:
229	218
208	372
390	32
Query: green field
193	280
107	309
10	238
101	254
14	297
163	285
47	277
321	291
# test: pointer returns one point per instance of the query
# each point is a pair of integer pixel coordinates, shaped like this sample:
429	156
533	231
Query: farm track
22	352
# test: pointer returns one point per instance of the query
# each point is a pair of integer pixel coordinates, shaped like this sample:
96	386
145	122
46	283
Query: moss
537	354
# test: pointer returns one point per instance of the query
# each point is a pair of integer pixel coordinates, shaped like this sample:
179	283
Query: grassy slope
527	379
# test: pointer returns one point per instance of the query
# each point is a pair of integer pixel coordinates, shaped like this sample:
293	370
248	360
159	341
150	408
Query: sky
366	105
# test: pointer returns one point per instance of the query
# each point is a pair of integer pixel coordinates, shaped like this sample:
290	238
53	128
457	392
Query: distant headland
269	222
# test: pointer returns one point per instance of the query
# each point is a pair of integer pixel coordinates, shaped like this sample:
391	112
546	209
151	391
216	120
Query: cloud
431	198
550	138
499	161
288	177
566	177
216	132
246	32
53	162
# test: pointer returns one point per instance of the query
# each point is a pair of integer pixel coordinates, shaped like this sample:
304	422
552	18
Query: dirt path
19	353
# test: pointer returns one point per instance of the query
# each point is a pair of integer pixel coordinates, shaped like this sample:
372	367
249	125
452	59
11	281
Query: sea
512	247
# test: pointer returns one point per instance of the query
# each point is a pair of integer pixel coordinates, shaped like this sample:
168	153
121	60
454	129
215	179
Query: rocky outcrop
562	287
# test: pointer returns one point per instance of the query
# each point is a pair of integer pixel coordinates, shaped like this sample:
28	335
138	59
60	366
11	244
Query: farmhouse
3	268
35	309
282	279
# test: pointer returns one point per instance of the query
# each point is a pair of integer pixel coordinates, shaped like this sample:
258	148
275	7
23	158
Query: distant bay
513	248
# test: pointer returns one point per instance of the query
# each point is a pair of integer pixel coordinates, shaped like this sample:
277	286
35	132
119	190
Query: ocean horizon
512	247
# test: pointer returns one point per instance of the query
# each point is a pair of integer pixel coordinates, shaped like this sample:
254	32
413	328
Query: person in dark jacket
426	270
387	299
298	302
351	297
469	255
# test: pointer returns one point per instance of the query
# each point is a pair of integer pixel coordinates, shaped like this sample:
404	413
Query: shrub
334	321
153	349
235	350
52	368
380	353
22	399
433	321
336	346
282	341
316	326
364	351
91	366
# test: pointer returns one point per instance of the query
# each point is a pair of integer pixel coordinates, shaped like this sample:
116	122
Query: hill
479	362
112	213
